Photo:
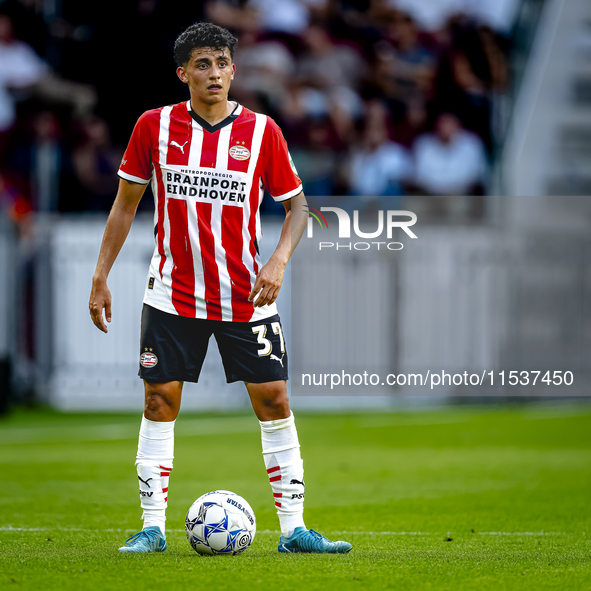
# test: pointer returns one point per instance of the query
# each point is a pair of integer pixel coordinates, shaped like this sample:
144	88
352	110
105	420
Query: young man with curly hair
209	161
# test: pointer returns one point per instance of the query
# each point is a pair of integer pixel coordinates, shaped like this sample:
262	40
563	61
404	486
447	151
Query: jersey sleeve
280	176
136	165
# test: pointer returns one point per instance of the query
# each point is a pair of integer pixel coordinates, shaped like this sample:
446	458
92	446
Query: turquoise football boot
150	539
310	541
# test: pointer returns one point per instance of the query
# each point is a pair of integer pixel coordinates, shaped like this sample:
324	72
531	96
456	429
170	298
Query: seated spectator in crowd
23	73
232	15
265	67
325	85
42	161
325	64
450	161
290	17
317	164
432	15
414	124
20	68
406	66
378	166
286	20
479	71
96	163
336	72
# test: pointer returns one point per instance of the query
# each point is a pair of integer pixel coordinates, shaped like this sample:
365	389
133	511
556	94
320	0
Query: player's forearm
118	225
116	231
291	232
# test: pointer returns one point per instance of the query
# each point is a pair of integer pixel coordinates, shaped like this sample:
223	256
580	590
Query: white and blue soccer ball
220	522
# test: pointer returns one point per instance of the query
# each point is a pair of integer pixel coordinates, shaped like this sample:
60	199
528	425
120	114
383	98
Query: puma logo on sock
146	481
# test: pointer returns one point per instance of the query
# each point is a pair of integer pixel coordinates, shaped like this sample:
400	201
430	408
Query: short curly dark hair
202	35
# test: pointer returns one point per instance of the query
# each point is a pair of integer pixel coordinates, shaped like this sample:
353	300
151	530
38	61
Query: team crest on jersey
148	359
239	152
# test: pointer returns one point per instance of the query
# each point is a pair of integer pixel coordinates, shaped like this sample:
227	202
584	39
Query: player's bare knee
277	407
153	408
159	407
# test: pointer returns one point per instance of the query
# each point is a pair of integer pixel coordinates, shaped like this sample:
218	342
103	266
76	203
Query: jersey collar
213	128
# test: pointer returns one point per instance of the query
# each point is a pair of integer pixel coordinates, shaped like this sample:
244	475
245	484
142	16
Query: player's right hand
100	297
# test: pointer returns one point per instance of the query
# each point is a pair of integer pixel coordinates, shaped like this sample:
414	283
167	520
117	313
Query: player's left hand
267	284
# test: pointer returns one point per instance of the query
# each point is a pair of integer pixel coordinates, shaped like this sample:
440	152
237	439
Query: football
220	522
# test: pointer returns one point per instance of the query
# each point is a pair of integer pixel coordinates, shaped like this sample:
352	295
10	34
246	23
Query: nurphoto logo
393	219
315	214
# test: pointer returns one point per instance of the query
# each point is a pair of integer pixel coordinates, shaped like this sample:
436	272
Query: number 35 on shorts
267	345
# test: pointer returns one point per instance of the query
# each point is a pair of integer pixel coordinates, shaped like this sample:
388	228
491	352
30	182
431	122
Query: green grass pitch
464	498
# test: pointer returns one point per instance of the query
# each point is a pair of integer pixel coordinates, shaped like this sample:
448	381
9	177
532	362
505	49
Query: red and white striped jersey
208	183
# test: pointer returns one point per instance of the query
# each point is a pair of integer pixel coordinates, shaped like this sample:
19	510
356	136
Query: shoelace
317	535
151	535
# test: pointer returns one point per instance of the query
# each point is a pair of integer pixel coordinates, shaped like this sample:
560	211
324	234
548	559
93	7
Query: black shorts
173	348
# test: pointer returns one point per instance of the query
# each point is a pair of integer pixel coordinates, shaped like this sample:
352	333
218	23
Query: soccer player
209	161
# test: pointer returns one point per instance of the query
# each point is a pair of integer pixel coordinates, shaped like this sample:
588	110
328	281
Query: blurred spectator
23	73
499	15
327	65
41	160
329	75
432	15
317	163
406	66
264	69
20	68
290	17
233	14
479	70
96	163
28	22
410	127
378	166
450	161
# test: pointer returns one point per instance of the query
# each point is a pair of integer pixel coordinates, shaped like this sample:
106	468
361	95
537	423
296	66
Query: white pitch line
523	533
9	528
422	533
122	431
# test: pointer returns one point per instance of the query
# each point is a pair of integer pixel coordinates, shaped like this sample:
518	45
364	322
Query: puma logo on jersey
177	145
295	481
277	358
